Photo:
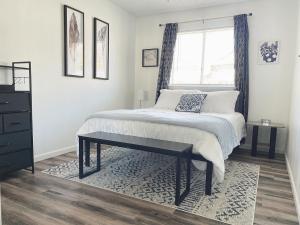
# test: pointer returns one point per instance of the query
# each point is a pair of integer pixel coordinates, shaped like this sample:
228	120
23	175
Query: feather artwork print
73	36
102	38
102	48
74	42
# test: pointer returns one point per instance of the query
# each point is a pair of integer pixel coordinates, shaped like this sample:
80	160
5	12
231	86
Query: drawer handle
4	145
4	103
15	123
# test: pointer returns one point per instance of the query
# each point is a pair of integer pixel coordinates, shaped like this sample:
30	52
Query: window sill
203	87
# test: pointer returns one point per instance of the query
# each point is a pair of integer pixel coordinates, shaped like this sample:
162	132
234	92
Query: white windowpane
187	59
205	57
218	58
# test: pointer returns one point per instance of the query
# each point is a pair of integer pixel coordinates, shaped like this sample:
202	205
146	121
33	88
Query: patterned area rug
151	177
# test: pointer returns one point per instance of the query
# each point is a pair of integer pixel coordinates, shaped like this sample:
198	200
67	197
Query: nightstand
274	127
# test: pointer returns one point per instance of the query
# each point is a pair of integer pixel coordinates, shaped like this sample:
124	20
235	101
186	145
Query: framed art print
269	52
73	42
101	49
150	57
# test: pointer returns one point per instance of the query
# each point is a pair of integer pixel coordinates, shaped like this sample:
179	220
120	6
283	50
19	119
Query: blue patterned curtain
166	58
241	64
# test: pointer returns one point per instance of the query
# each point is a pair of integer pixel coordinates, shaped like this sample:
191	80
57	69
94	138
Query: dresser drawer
14	161
16	122
15	141
14	102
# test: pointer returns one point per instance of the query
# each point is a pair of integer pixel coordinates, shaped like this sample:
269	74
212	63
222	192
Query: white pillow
169	99
220	102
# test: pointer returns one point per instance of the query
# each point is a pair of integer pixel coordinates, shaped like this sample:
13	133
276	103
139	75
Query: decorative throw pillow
190	103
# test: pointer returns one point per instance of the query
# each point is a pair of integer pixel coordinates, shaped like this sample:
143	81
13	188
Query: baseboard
294	189
54	153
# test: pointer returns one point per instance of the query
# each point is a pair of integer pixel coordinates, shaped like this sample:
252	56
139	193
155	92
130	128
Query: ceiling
149	7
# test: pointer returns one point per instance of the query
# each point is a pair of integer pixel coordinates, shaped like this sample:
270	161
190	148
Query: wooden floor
42	199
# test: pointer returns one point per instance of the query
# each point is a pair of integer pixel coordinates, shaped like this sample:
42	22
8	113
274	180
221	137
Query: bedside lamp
141	96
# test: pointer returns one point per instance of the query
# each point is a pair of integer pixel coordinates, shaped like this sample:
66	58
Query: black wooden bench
179	150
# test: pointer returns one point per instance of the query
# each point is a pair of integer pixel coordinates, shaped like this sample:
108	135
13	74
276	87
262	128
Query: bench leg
188	172
98	156
208	182
80	158
87	158
87	153
180	197
178	179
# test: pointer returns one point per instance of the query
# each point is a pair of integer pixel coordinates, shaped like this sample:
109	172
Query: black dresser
16	142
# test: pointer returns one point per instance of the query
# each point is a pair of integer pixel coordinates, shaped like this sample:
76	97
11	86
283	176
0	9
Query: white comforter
205	143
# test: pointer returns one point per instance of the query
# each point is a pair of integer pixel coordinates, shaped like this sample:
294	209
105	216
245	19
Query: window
204	58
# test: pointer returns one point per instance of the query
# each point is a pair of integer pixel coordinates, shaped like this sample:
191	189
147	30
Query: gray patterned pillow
190	103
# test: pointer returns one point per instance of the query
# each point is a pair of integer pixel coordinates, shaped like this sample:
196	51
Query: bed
214	135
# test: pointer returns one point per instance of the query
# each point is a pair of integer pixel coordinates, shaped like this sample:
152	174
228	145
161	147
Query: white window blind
204	58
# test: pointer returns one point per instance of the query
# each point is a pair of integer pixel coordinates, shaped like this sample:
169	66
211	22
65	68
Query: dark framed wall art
101	49
73	42
150	57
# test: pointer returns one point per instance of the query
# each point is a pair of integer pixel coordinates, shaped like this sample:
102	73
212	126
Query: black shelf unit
14	67
16	137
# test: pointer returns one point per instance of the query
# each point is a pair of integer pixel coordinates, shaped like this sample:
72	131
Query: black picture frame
66	66
144	52
95	76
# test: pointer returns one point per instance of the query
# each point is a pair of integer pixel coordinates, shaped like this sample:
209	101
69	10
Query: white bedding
205	143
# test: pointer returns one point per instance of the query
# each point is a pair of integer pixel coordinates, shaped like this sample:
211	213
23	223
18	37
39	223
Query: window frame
203	86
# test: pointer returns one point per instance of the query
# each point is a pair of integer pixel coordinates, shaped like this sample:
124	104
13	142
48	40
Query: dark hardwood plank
43	199
25	215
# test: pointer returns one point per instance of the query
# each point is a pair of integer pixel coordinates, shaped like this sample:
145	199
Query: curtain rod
202	20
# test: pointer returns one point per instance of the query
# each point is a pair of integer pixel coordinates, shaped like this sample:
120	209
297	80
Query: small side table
273	135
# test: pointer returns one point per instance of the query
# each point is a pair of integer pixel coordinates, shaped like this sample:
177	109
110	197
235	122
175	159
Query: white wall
270	85
293	154
33	30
